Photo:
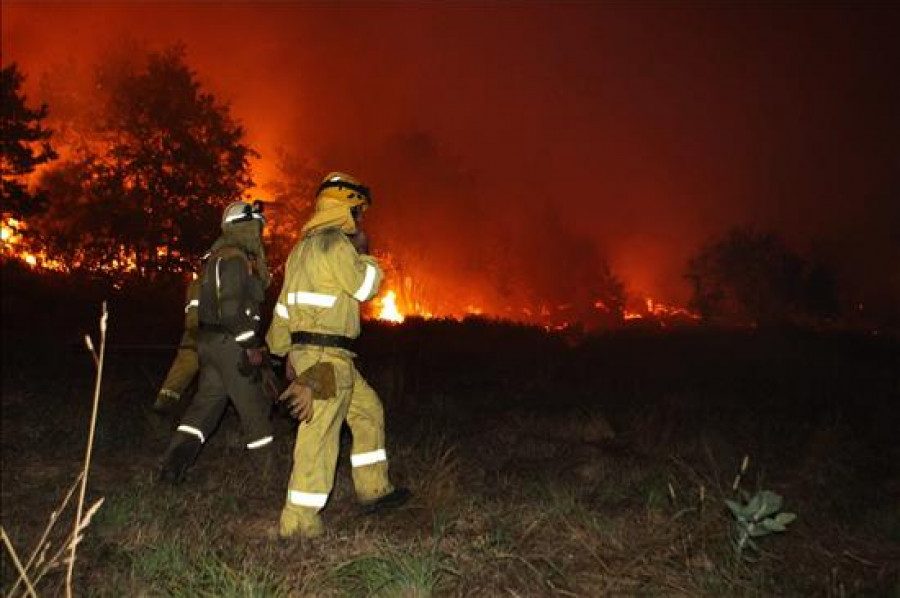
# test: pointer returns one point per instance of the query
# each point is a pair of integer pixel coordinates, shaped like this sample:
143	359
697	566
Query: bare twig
858	559
90	445
54	517
90	347
737	479
18	563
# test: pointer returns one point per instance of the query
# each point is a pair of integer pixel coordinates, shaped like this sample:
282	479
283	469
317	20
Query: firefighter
229	345
185	366
327	275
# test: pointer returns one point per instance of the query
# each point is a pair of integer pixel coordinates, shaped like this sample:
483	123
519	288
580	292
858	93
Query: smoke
513	150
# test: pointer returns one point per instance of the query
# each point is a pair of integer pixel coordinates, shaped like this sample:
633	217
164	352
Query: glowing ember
30	252
661	312
389	311
9	233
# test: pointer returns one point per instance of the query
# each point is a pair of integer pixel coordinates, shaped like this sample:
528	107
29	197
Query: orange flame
659	311
15	245
404	297
389	311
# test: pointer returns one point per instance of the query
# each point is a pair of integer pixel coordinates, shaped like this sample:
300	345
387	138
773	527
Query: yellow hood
332	212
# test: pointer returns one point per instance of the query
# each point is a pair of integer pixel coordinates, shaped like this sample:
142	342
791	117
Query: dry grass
618	495
468	532
42	558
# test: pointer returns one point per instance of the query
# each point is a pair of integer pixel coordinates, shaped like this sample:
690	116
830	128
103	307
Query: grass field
541	465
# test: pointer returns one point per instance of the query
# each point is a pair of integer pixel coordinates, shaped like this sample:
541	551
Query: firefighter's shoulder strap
210	310
230	251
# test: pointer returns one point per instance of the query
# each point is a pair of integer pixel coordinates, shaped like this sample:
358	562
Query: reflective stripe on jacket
191	303
325	280
230	296
191	320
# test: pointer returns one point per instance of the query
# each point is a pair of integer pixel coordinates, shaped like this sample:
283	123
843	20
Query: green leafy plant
756	517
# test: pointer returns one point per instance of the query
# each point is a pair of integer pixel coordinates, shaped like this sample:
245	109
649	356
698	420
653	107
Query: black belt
322	340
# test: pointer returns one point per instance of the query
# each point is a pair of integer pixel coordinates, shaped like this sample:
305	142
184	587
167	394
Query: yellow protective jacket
325	280
185	365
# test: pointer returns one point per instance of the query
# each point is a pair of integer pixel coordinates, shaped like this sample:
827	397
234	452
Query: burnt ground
542	465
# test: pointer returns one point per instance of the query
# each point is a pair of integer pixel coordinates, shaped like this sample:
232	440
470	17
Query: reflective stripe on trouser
182	371
318	443
220	380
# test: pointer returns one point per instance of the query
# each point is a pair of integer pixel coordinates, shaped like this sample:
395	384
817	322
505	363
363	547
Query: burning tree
161	161
24	145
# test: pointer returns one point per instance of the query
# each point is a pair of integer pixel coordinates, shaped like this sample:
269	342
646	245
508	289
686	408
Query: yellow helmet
338	199
345	188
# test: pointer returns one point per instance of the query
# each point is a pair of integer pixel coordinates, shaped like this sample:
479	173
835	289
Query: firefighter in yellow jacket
327	275
185	366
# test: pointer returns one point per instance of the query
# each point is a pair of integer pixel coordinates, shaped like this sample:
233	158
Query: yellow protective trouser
318	443
182	371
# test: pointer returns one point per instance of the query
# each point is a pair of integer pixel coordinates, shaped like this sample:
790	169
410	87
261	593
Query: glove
251	362
360	241
320	379
316	382
299	400
255	356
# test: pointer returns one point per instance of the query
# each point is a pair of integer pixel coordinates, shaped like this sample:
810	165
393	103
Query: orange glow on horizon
406	297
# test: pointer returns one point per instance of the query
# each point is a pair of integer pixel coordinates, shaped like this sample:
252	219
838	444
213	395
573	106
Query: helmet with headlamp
240	211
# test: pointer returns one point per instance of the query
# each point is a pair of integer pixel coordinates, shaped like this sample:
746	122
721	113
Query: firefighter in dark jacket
230	345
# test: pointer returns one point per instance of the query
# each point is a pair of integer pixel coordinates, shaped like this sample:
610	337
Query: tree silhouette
160	165
24	145
291	199
749	276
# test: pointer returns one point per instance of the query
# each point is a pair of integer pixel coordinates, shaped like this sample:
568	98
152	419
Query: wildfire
389	311
659	311
15	246
9	232
405	297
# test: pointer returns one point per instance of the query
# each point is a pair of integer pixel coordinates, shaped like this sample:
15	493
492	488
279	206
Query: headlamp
247	213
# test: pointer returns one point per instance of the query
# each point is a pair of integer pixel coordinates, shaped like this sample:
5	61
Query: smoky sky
514	142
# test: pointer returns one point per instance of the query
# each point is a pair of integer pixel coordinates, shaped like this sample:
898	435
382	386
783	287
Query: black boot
178	459
390	500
